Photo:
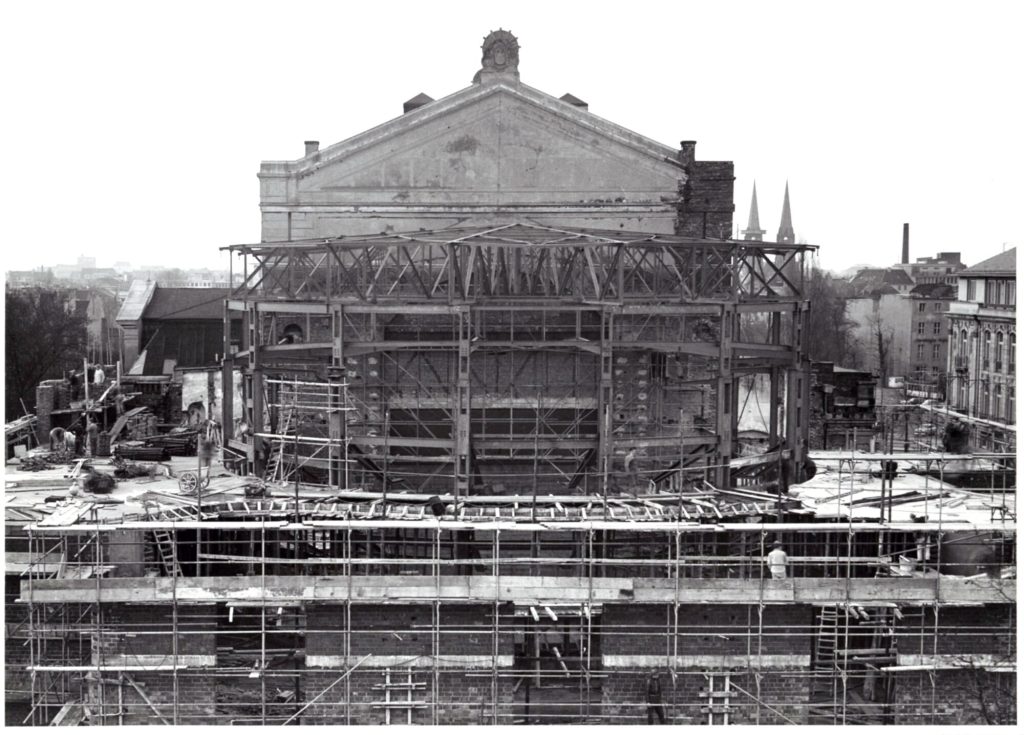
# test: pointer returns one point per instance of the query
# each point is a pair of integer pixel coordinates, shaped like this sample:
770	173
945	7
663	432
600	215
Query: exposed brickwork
134	631
706	205
195	695
956	697
965	632
784	698
405	630
706	630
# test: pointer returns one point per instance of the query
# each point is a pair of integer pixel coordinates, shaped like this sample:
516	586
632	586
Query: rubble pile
35	464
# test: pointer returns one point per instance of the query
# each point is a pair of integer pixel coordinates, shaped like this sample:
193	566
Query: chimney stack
906	243
312	146
687	152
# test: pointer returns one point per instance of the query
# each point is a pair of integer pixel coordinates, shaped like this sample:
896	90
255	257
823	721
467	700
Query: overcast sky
134	131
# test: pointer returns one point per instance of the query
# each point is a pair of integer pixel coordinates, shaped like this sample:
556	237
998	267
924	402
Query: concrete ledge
415	662
956	661
151	660
709	663
523	590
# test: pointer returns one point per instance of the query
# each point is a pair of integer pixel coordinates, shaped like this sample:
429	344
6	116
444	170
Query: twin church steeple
754	232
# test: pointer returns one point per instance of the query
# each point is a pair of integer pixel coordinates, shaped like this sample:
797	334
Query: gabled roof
1003	264
881	280
139	295
472	95
169	304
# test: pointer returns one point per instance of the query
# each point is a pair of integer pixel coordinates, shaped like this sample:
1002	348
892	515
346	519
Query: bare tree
42	335
882	337
829	331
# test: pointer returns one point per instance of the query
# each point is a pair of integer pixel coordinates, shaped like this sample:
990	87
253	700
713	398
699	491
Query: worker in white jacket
777	561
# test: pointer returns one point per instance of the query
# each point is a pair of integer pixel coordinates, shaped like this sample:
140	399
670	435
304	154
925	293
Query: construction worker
777	561
629	464
56	439
655	706
99	377
92	434
71	442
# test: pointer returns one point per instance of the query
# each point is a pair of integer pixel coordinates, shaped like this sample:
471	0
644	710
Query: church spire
786	234
753	231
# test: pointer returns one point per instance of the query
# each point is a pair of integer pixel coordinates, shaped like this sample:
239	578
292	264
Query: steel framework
478	356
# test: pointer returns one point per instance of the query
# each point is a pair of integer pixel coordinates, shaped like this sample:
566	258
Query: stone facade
983	351
498	151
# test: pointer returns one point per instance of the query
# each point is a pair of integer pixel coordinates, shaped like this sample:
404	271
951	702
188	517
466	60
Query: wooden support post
775	399
604	402
255	392
462	408
726	396
227	415
336	420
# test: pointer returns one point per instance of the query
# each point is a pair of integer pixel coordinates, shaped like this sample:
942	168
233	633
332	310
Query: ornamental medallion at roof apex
501	54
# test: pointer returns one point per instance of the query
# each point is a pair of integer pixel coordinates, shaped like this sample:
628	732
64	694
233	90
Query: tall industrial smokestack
906	243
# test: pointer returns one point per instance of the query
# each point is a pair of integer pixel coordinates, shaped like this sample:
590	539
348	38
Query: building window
937	306
920	352
972	289
999	352
935	351
986	351
921	306
1011	362
920	327
936	328
998	401
1011	409
1011	293
984	408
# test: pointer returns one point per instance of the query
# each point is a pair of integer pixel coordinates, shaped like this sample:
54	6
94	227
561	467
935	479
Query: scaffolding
497	478
351	617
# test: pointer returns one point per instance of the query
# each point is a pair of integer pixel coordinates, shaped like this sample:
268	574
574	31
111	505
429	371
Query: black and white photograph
511	364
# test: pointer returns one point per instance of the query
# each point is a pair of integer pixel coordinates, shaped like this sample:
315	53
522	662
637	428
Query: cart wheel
188	482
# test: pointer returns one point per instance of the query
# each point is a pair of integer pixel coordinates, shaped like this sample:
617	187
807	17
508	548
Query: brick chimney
906	243
312	146
687	152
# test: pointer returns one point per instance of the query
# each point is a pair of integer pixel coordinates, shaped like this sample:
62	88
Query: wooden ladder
165	549
824	689
285	425
398	703
164	543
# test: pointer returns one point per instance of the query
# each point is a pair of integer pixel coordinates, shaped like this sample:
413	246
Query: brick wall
634	632
706	205
405	632
783	698
956	697
964	632
706	630
142	635
456	698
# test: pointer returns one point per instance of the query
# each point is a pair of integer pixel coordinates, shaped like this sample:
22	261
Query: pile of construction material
141	426
179	442
34	464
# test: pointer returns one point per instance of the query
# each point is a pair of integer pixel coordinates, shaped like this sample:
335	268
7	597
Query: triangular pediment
505	142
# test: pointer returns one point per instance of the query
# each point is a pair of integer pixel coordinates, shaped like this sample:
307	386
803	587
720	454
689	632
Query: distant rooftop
187	303
1004	263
